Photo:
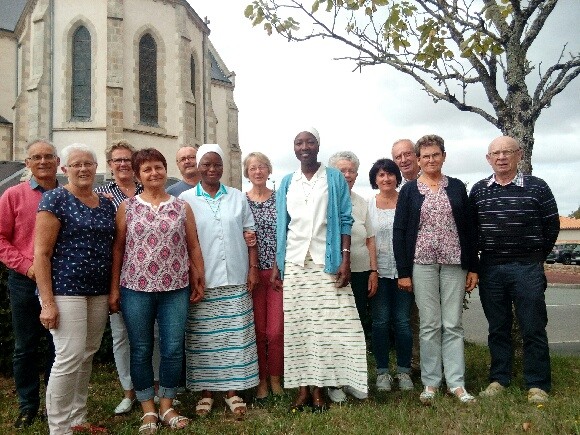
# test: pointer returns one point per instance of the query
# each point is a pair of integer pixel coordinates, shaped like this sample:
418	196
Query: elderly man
188	167
18	207
517	225
404	155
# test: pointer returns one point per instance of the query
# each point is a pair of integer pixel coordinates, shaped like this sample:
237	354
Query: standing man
18	206
188	167
517	225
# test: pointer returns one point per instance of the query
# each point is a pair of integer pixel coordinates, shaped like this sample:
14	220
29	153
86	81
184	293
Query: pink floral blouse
437	240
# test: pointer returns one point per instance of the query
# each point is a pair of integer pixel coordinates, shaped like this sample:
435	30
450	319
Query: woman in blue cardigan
324	344
436	258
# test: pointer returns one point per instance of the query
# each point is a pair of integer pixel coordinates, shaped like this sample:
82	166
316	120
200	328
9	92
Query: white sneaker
405	382
384	382
336	394
125	406
358	394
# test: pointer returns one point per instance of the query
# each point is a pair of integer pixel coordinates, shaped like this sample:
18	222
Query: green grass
383	413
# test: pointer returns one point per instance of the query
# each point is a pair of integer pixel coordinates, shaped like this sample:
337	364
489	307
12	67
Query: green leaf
249	11
315	6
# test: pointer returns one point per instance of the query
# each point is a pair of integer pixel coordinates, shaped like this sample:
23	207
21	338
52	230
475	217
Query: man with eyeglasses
18	206
404	156
517	226
187	165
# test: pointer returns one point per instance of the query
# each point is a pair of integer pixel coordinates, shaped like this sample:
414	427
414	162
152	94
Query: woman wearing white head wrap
220	338
324	345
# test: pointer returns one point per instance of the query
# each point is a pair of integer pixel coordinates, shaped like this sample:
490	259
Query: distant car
562	253
575	256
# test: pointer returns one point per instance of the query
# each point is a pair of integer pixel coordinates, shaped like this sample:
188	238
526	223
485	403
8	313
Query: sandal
151	427
428	395
203	406
175	422
236	405
462	394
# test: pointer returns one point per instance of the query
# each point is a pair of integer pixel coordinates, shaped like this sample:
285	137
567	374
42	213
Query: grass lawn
383	413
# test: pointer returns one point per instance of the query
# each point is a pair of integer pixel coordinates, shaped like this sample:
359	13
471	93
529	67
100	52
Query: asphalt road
563	320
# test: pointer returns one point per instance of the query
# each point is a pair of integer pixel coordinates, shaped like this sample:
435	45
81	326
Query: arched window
148	80
192	70
81	75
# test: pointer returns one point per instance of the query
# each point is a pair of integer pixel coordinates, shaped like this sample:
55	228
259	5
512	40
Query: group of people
222	291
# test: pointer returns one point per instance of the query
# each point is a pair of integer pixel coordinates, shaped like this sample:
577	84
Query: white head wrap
312	131
208	148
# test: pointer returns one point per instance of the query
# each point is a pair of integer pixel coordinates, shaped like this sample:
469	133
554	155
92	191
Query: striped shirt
515	222
115	190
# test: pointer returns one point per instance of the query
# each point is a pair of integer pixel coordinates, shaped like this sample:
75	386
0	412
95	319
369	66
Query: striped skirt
324	344
220	341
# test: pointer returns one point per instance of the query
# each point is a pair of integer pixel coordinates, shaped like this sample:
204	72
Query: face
386	181
406	159
80	169
258	172
186	162
504	154
431	159
348	170
211	168
42	161
120	164
306	148
152	174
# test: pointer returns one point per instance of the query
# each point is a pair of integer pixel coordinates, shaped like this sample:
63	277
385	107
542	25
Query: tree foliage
575	214
449	47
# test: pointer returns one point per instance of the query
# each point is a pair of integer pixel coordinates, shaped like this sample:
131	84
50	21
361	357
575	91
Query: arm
550	219
374	275
400	234
253	272
196	266
343	274
46	233
10	255
118	254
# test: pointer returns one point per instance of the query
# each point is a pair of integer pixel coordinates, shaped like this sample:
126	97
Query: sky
284	87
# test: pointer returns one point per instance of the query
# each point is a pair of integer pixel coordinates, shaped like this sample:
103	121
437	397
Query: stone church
95	71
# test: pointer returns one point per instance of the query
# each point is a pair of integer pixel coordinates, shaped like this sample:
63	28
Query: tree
449	47
575	214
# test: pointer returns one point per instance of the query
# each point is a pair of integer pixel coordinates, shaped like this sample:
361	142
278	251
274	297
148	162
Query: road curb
555	284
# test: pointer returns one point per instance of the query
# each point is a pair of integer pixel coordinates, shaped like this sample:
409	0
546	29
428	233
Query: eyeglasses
81	165
348	171
258	168
433	156
186	159
406	154
40	157
119	161
507	153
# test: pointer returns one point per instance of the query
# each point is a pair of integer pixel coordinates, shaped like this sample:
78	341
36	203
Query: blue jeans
391	304
140	310
27	334
522	284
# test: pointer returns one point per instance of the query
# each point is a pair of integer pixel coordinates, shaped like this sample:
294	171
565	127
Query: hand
405	284
470	281
250	238
343	275
373	284
253	279
30	273
49	316
106	195
114	302
275	280
197	285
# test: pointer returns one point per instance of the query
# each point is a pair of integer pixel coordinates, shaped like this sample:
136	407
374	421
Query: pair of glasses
120	161
40	157
81	165
406	154
433	156
258	168
507	153
186	159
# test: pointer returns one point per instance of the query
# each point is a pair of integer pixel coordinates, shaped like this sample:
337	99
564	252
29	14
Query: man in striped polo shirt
517	225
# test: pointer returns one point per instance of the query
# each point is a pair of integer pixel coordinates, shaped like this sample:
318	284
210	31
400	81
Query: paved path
563	320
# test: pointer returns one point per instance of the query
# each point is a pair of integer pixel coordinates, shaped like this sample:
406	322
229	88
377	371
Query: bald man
517	226
187	165
404	155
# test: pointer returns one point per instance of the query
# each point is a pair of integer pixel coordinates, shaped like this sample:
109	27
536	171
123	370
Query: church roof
8	170
216	72
4	120
11	11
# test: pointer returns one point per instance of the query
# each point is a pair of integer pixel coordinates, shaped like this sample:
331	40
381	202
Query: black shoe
25	419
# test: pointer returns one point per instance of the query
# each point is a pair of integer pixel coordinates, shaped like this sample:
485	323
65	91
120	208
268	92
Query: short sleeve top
82	255
156	257
265	220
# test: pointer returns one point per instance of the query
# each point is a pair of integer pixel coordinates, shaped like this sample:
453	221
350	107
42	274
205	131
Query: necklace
215	210
308	191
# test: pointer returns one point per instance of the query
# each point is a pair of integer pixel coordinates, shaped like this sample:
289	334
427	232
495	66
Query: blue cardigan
406	226
338	220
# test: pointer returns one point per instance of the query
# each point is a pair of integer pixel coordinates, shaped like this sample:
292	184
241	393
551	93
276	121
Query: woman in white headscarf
324	344
220	337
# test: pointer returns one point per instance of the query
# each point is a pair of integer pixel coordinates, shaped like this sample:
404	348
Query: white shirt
307	203
383	226
362	229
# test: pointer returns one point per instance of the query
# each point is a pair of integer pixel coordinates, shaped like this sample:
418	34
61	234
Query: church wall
7	75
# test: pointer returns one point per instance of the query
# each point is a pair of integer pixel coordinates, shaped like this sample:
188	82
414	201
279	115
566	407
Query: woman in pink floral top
436	257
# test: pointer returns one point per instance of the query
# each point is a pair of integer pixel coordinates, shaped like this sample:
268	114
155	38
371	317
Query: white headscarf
312	131
208	148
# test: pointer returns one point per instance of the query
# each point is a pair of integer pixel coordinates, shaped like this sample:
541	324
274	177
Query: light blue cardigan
338	220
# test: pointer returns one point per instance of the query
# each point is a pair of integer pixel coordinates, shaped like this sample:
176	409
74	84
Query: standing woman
123	186
220	338
72	261
324	344
157	272
436	257
268	310
391	306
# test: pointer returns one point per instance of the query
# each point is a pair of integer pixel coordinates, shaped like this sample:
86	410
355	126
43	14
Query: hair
386	165
41	140
344	155
66	152
118	145
147	155
429	140
263	158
